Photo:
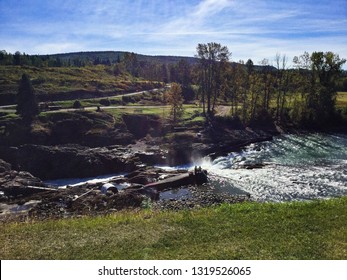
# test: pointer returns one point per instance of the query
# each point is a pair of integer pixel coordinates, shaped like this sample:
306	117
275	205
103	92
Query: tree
183	73
27	106
250	66
282	84
317	75
240	87
212	58
3	54
17	58
175	99
131	64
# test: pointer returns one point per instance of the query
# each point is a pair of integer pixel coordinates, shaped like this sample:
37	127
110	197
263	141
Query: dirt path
222	110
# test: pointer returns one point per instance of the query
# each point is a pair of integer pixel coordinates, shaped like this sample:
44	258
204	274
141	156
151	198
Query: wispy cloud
250	28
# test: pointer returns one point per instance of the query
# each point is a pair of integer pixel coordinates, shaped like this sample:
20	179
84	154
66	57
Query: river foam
295	167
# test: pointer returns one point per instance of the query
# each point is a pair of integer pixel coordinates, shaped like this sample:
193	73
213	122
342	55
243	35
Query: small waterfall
290	167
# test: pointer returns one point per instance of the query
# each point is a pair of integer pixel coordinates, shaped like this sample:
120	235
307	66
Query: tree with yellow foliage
174	98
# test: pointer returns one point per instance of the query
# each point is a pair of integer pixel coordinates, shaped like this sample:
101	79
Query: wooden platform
190	178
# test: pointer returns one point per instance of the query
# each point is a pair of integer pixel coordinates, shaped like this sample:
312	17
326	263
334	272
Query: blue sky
251	29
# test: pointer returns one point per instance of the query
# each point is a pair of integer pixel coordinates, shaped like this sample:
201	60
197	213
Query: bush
188	93
131	98
105	102
77	104
232	121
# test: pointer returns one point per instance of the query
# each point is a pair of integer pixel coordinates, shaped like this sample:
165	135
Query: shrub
77	104
105	102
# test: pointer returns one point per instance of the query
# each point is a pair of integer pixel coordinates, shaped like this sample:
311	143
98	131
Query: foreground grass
305	230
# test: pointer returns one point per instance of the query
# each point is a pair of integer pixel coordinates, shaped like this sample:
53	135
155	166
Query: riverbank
153	143
297	230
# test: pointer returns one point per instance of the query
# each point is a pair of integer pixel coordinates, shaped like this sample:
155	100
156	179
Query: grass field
300	230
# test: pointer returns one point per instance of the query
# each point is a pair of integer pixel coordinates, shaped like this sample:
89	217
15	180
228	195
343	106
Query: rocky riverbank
20	200
23	166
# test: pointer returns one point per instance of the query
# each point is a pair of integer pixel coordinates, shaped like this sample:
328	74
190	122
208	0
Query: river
295	167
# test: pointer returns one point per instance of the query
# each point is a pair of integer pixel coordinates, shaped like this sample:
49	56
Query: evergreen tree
27	106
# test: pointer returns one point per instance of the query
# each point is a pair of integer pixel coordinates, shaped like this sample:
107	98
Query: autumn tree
174	98
27	106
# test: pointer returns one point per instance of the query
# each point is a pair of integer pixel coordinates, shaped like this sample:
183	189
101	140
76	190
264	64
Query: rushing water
74	182
295	167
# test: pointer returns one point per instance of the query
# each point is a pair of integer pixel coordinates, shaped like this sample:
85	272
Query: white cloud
210	7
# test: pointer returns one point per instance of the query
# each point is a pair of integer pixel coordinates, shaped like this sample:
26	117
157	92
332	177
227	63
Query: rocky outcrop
15	184
87	128
68	161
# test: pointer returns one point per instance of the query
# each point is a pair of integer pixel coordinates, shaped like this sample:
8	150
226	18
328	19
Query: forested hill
110	57
116	56
81	59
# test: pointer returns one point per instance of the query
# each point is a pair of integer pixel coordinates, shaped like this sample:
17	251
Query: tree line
304	94
125	62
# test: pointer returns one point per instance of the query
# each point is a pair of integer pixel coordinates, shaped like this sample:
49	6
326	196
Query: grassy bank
301	230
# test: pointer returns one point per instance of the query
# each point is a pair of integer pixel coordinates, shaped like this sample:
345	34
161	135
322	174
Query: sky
254	29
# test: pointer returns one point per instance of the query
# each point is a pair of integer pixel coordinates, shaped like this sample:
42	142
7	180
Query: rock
4	166
199	198
141	179
252	165
81	127
68	161
14	184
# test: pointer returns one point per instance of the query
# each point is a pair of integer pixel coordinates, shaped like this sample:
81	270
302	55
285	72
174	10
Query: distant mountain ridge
113	56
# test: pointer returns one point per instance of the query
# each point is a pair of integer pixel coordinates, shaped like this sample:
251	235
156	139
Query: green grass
162	110
300	230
